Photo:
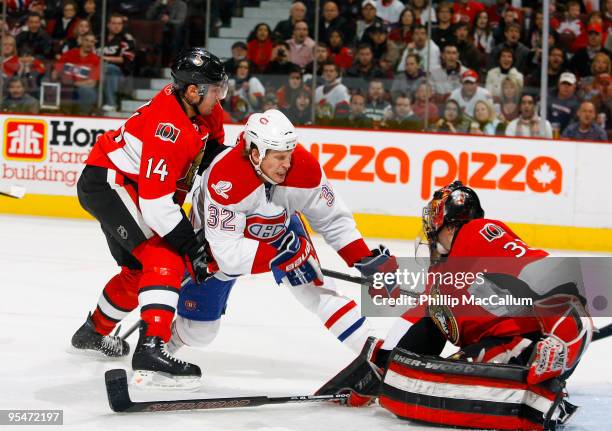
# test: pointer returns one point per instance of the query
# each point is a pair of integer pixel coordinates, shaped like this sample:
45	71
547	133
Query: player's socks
116	300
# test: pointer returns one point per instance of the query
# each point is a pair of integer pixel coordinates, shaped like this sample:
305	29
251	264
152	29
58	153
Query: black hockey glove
375	268
200	258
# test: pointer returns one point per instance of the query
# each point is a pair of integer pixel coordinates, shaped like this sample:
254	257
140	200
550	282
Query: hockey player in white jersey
248	204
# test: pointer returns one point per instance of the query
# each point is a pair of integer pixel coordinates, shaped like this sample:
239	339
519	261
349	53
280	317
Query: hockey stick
603	332
119	398
11	191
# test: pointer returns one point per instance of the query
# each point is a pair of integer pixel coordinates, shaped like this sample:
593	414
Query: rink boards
554	193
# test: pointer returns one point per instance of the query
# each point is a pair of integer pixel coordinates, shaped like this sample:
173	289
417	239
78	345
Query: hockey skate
155	367
87	340
361	378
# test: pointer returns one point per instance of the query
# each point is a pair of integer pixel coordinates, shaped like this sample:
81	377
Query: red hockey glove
297	259
376	267
568	330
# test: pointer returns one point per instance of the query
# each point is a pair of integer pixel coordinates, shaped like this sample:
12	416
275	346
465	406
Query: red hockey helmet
452	204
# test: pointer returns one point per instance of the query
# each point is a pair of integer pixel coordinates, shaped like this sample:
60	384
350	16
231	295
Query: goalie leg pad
464	394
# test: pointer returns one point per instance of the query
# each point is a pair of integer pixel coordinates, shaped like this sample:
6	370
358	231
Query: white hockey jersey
241	218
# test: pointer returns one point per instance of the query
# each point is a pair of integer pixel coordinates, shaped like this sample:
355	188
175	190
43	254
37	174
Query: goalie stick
11	191
120	401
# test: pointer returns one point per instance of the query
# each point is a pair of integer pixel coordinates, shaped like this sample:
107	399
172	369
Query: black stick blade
117	390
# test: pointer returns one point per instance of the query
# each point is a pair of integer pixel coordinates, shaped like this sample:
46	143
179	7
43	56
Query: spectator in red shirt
466	10
10	62
401	33
496	12
338	53
29	69
288	92
422	103
259	47
79	71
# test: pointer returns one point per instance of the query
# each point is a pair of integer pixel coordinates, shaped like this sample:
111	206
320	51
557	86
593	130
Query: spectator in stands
381	45
419	46
512	35
401	117
447	78
239	52
331	98
387	67
118	54
301	47
423	12
508	106
482	34
377	107
270	102
465	11
279	67
585	129
82	28
331	20
422	103
357	115
533	40
528	122
469	93
17	100
297	13
453	119
408	80
64	27
505	67
364	67
496	12
556	66
287	93
173	14
10	59
389	10
368	17
510	16
35	37
444	32
469	55
259	47
486	121
246	92
572	24
596	88
300	112
338	52
562	106
91	14
31	71
581	62
401	33
321	55
79	72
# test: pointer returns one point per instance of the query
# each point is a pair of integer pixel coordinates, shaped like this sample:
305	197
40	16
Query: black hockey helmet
197	66
453	204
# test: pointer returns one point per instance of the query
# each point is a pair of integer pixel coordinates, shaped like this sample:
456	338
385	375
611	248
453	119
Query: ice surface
52	272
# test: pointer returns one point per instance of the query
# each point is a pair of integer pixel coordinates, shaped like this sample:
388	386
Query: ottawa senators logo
167	132
443	316
491	232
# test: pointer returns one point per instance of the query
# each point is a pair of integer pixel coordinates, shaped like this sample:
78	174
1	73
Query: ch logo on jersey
328	194
265	228
491	232
221	188
167	132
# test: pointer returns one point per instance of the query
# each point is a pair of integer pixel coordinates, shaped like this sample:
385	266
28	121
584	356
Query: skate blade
93	354
146	380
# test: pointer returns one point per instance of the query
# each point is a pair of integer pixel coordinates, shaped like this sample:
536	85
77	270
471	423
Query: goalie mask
454	204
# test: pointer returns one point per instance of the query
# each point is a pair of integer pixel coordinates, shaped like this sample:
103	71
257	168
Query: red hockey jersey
488	247
160	149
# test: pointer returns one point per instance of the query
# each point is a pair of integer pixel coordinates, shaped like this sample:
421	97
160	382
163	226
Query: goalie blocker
472	395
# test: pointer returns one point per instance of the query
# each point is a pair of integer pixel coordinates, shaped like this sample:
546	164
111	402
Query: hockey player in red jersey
544	342
134	184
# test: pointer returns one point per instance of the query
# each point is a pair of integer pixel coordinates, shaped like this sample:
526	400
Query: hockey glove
297	260
199	259
568	330
380	262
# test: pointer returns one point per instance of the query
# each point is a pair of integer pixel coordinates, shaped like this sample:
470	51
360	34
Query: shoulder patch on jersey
221	188
491	232
305	171
167	132
233	168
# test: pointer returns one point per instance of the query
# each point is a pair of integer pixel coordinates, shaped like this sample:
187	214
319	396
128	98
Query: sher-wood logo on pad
25	140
